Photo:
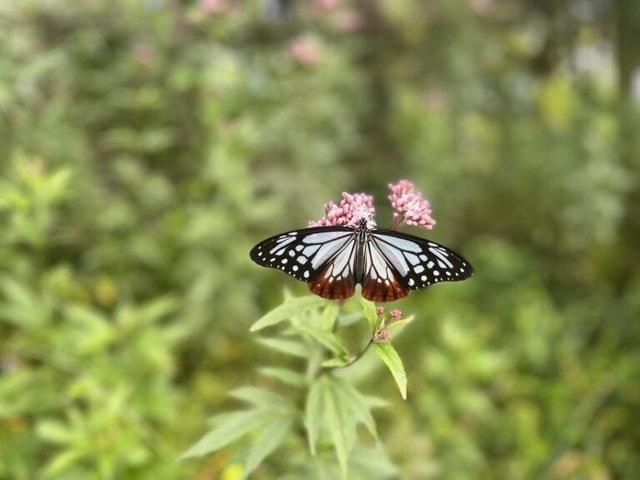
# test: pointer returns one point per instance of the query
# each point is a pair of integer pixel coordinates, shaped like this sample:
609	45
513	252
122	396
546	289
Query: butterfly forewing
305	253
419	262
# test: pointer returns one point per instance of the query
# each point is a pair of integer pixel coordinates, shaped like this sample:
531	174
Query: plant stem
352	361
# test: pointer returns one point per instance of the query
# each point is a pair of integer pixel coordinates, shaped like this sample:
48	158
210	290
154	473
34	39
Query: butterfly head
365	220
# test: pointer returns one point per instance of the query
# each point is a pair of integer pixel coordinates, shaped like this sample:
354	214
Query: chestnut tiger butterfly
388	264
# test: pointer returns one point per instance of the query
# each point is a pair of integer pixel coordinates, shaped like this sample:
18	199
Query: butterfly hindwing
309	254
419	262
381	279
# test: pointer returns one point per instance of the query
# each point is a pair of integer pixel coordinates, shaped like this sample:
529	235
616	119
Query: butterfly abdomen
359	270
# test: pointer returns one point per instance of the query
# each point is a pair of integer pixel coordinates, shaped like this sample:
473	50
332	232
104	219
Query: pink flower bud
379	310
396	314
382	336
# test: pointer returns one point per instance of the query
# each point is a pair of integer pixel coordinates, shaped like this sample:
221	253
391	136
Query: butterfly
388	264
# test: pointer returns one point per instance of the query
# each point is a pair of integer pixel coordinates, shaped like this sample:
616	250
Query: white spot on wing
442	256
323	237
401	243
326	251
413	259
394	256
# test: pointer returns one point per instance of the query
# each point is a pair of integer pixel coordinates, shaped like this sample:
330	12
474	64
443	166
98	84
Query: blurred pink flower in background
350	21
326	4
214	6
409	206
482	7
379	310
435	99
144	54
352	209
396	314
305	52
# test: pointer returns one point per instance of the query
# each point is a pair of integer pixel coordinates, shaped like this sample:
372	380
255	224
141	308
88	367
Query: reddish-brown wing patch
383	291
332	288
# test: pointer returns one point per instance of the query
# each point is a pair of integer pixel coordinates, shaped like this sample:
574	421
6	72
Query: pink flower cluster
409	206
396	314
352	209
381	336
305	52
213	6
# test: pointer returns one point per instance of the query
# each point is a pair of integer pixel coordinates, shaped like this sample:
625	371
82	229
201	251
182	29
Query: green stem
351	362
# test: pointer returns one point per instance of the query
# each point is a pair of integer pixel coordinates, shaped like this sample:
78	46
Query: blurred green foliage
146	145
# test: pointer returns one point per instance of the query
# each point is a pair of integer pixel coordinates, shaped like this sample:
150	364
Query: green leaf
369	309
259	397
400	323
372	463
325	338
230	427
284	375
270	439
341	426
335	362
329	316
289	347
22	306
289	308
357	403
376	402
314	412
393	362
349	319
62	462
55	431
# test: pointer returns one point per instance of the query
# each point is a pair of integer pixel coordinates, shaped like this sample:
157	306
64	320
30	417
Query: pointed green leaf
356	403
289	347
62	462
270	439
314	412
393	362
400	323
259	397
329	316
349	319
230	427
284	375
369	309
341	426
335	362
372	463
291	307
376	402
55	431
325	338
